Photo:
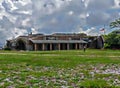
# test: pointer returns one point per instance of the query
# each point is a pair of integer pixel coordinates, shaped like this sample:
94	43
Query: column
58	46
50	46
76	46
35	46
68	46
79	46
43	46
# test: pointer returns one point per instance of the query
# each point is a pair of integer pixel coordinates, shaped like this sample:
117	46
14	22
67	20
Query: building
56	41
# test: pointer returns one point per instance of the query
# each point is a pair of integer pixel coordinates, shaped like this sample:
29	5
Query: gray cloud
98	18
102	5
50	16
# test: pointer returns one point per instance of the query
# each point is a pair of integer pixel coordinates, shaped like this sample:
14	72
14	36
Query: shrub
7	48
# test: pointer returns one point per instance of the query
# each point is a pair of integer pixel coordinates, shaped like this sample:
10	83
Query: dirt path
59	55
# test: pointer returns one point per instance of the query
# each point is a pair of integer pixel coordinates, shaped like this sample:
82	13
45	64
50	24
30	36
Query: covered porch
42	45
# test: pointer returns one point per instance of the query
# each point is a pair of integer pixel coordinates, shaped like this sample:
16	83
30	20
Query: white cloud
17	32
86	2
83	16
92	31
26	22
9	4
78	29
25	12
117	4
70	13
50	16
34	31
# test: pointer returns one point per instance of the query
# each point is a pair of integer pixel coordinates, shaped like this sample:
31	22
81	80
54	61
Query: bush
7	49
112	40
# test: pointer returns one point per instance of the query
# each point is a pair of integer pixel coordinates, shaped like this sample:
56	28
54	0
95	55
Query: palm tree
115	23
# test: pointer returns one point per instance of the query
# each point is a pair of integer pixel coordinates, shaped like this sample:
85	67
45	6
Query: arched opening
20	45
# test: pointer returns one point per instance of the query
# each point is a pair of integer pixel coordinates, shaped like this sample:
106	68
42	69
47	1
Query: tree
115	23
113	40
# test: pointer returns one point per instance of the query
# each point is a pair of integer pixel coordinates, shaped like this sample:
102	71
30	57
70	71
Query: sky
20	17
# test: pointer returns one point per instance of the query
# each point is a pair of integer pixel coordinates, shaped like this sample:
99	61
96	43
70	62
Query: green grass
74	68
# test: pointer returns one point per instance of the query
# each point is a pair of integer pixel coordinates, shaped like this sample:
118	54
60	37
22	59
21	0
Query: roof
58	41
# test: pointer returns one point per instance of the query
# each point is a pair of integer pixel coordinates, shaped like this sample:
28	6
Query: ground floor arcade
57	46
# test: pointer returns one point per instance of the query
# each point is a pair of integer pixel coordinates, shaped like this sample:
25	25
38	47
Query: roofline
58	41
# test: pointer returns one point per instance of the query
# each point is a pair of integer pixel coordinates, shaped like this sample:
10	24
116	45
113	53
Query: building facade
56	41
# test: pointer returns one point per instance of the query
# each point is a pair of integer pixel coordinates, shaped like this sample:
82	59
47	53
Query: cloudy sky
20	17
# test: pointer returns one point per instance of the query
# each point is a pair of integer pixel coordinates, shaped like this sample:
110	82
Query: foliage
112	40
115	23
6	48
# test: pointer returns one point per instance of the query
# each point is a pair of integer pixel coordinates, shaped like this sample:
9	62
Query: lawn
60	69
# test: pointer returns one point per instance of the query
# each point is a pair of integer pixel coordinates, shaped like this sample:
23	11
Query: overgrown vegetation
60	69
6	48
112	40
115	23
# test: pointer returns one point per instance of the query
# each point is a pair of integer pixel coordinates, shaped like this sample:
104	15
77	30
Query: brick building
56	41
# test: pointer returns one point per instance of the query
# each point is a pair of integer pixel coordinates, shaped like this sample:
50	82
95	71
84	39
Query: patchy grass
60	69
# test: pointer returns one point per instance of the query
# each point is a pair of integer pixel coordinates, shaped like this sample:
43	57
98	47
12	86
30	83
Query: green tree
113	40
115	23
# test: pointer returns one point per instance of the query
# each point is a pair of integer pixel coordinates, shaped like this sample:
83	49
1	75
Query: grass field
60	69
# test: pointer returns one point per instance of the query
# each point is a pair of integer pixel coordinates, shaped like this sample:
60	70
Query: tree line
112	40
